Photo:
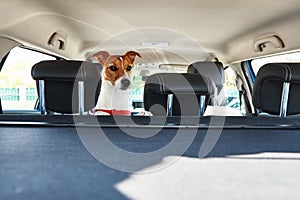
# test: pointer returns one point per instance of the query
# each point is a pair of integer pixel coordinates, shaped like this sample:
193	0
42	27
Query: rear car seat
276	89
175	94
67	87
214	70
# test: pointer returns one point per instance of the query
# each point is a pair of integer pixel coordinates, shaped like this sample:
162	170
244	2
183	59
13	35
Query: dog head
116	68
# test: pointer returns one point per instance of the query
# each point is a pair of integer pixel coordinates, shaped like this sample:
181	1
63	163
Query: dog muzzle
125	83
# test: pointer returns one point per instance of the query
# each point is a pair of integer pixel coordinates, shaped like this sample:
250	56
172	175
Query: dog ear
102	56
131	55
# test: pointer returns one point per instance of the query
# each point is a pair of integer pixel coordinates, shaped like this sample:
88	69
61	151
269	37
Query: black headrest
61	84
168	83
214	70
63	69
267	89
187	89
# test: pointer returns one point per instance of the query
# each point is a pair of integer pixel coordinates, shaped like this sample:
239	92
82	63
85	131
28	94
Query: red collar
113	111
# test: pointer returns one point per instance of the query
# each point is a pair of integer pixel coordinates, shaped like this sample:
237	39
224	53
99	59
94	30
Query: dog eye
129	68
113	68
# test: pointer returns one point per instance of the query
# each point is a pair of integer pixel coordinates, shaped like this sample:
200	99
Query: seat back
276	89
176	94
67	87
214	70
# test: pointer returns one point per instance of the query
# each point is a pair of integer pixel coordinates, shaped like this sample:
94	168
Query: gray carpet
52	163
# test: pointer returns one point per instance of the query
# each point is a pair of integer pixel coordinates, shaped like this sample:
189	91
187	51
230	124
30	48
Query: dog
115	76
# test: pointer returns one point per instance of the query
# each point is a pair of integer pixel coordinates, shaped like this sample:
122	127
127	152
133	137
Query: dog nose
125	82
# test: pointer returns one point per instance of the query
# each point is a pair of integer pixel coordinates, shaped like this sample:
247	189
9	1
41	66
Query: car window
139	76
289	57
231	90
17	88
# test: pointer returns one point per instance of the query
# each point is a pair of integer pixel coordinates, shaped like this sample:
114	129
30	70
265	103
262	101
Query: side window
290	57
17	88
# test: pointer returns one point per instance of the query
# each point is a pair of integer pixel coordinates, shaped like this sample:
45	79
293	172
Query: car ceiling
226	29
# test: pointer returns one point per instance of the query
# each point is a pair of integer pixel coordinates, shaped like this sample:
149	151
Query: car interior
213	100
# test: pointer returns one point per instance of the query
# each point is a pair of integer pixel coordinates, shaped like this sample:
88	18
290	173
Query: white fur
112	97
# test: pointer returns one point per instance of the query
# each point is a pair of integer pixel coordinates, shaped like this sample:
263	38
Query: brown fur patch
121	63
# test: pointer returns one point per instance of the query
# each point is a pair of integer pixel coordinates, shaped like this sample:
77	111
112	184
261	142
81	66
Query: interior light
155	44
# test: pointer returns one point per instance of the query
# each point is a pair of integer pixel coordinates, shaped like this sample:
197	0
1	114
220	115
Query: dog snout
125	83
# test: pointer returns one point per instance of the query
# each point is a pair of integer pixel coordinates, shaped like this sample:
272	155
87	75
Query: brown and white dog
116	70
